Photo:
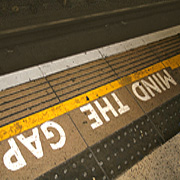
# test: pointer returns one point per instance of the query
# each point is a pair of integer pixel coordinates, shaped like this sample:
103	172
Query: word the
103	110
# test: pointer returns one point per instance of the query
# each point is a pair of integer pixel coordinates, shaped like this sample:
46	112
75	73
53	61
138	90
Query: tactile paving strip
25	99
76	81
132	61
166	48
82	166
126	147
167	118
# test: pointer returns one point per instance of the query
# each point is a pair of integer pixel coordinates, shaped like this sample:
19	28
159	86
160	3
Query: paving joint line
145	113
136	100
87	146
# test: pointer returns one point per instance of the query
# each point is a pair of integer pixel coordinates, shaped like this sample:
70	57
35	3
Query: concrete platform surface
162	164
95	115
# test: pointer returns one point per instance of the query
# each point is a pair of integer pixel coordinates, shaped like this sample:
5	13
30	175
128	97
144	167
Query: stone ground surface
163	163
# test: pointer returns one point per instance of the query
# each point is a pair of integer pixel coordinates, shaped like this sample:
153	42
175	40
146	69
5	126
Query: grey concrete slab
126	147
82	166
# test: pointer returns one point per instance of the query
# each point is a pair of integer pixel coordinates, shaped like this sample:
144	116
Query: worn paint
34	120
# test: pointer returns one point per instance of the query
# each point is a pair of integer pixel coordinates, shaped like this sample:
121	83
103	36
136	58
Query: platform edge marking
34	120
43	70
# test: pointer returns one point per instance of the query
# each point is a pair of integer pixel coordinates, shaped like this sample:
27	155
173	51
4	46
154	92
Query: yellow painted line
173	62
34	120
141	74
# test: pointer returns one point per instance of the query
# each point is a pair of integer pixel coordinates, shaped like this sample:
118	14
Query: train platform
108	113
163	163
